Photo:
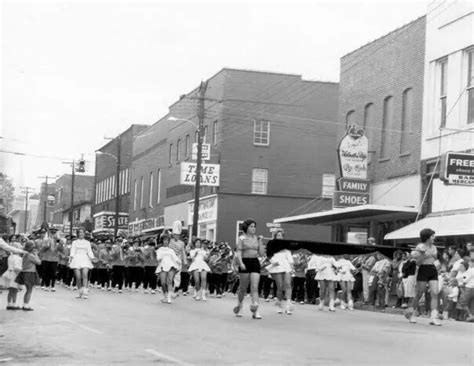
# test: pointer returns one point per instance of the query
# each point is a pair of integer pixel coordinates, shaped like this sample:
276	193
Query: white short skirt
343	277
409	285
81	261
199	265
327	275
166	264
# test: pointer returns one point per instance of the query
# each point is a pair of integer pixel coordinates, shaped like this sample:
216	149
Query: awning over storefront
351	214
445	225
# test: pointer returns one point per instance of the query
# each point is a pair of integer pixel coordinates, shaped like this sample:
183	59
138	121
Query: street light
117	184
197	185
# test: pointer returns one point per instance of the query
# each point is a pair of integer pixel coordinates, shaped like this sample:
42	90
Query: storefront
104	223
207	220
146	227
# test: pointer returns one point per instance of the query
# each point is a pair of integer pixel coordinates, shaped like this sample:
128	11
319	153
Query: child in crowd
468	291
7	280
409	281
453	294
29	276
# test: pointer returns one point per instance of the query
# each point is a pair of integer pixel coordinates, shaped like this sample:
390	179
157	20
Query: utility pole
117	187
27	191
197	186
45	199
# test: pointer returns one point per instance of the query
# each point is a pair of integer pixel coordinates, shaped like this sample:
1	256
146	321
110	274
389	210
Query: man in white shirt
468	294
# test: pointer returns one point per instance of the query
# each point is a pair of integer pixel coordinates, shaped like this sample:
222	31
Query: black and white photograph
237	182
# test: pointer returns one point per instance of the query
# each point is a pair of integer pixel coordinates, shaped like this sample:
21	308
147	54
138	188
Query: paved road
136	329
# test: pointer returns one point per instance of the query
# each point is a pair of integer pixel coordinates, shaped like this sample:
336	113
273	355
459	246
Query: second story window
135	195
443	85
470	86
407	111
350	118
386	127
214	133
261	133
178	150
170	160
186	147
150	191
259	181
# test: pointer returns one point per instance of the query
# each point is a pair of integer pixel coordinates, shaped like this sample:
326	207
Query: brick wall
386	67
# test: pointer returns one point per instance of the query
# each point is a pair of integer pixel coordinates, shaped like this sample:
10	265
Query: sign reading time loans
210	174
205	153
458	169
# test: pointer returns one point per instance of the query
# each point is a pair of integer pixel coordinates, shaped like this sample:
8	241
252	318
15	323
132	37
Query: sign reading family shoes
353	188
209	174
458	169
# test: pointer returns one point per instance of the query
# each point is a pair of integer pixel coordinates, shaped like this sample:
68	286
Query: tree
7	192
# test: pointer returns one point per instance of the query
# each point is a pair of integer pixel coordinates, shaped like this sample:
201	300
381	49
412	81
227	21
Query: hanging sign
458	169
353	153
205	153
210	174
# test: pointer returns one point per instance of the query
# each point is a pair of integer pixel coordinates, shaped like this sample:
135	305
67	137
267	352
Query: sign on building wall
210	174
205	154
353	153
106	221
353	188
458	169
207	210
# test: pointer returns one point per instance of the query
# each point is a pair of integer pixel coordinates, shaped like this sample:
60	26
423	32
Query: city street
134	328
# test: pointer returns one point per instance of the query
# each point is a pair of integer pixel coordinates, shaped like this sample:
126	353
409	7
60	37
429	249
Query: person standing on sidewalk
367	265
425	255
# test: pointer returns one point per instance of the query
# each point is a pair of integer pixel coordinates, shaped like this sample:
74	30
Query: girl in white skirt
199	269
345	268
326	277
280	268
168	264
7	280
81	262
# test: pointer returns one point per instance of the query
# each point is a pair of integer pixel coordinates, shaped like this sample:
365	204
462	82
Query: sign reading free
458	169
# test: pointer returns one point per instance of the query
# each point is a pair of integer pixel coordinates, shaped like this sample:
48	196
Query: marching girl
29	276
280	268
179	248
117	261
345	268
168	264
327	278
81	262
150	263
199	269
249	248
103	265
7	280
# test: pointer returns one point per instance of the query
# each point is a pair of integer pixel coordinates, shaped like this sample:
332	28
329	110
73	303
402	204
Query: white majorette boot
343	305
351	305
279	307
254	310
204	298
410	315
434	318
321	304
85	293
198	297
331	305
289	308
238	310
81	291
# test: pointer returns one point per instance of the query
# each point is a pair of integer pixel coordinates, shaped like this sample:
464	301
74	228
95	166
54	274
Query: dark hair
195	240
163	237
246	224
425	234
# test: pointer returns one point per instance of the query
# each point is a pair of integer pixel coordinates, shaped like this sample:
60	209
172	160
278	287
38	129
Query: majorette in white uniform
344	270
281	262
167	259
81	254
325	269
198	263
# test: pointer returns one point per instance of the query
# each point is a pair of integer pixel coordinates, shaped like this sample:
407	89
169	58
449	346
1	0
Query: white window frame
443	92
150	198
259	130
258	182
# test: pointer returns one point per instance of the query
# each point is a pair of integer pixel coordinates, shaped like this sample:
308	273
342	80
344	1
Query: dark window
350	118
214	133
407	119
170	160
186	147
369	123
178	150
443	90
386	126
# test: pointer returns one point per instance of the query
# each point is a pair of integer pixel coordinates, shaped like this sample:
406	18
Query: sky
74	72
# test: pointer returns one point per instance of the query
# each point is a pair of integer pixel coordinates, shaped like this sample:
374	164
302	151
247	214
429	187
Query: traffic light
81	166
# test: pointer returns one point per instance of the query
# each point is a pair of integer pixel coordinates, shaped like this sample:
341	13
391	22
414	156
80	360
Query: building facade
46	206
23	214
381	94
448	126
81	206
271	135
106	165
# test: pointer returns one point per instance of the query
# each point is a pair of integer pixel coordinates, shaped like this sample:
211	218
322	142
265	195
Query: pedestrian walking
199	269
280	268
29	275
249	248
168	264
81	262
425	255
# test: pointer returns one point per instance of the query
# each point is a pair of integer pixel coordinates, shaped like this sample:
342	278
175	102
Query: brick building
381	90
273	136
448	122
82	204
106	162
